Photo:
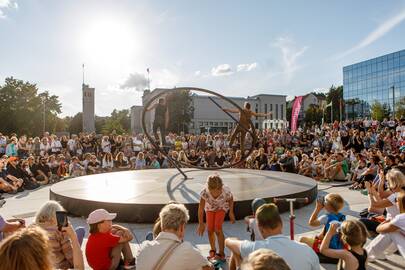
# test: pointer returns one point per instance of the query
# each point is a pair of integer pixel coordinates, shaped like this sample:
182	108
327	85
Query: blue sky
236	48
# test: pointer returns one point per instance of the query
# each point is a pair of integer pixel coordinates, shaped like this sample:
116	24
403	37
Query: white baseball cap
100	215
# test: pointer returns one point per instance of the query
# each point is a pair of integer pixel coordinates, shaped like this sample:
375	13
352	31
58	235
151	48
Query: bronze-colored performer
243	126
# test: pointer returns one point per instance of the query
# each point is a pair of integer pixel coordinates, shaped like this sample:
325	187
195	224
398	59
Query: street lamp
393	102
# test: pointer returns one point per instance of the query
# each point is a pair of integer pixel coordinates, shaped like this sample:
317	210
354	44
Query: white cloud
246	67
221	70
197	73
290	54
7	4
136	81
379	32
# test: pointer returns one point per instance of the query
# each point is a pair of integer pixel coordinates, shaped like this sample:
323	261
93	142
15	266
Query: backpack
335	242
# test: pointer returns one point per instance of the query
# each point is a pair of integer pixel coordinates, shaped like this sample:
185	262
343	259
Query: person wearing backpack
332	204
354	234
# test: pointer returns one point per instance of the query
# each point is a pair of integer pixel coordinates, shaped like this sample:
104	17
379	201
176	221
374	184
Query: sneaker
211	254
130	265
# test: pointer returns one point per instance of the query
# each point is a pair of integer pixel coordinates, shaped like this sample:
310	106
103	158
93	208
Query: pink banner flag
295	112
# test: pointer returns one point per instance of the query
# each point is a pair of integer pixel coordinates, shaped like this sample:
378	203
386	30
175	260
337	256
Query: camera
321	200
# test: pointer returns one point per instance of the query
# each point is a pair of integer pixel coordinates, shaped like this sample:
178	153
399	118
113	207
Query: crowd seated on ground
367	154
46	244
350	150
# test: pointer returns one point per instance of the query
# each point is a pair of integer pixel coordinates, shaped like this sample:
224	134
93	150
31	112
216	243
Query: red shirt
98	249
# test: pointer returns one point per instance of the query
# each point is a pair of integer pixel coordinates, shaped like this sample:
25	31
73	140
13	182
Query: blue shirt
298	256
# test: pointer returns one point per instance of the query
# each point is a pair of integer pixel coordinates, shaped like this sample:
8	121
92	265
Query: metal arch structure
176	163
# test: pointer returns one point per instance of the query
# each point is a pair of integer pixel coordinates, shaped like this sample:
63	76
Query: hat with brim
100	215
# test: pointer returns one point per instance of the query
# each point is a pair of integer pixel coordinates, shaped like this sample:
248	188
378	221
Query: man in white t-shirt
296	255
169	250
71	145
137	144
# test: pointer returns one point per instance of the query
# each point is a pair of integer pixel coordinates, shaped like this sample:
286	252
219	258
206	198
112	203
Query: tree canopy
180	105
400	108
379	111
22	108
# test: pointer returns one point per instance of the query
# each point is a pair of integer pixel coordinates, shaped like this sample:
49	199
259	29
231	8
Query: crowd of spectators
339	151
367	154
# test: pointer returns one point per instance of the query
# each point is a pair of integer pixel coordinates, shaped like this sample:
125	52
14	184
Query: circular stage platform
138	196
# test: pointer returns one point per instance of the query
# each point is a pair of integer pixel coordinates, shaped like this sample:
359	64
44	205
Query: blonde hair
335	201
354	233
401	201
264	259
172	216
396	179
26	249
47	212
214	182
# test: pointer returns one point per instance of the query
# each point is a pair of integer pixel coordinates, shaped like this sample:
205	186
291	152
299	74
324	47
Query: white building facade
209	118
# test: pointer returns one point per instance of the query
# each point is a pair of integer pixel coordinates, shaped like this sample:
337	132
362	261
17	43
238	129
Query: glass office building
379	79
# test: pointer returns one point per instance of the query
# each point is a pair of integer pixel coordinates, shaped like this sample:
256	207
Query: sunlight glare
108	42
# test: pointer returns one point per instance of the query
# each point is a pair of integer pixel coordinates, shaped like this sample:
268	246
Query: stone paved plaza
25	204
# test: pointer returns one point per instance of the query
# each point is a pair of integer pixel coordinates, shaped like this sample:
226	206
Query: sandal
220	257
212	254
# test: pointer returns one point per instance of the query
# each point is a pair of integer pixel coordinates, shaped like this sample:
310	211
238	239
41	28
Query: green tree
119	121
288	111
335	95
400	108
100	122
313	115
180	105
76	123
22	109
379	111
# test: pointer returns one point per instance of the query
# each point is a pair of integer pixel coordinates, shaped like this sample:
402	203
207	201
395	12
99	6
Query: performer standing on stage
161	119
243	125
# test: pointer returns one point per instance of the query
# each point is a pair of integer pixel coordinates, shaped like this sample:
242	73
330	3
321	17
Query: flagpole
331	112
148	70
83	72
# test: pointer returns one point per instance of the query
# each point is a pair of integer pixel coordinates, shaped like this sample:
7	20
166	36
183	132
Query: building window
265	110
276	111
271	109
265	125
282	110
257	110
257	125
